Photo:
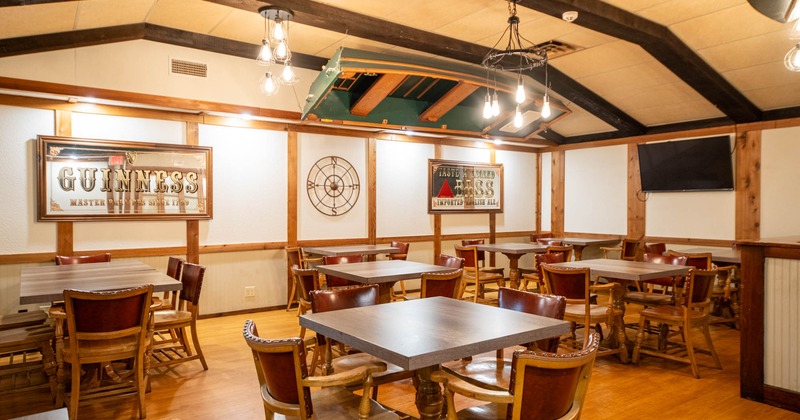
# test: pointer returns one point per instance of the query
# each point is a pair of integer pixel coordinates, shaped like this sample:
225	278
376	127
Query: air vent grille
188	68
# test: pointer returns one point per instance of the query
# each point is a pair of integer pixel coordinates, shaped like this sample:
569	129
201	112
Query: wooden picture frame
82	179
464	187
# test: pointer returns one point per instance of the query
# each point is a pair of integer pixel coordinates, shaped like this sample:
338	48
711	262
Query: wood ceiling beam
376	93
448	101
334	19
662	44
72	39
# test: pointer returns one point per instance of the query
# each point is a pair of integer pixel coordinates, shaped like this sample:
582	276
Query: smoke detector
569	16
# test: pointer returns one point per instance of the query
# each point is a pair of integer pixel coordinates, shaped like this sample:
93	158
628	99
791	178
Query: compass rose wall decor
333	186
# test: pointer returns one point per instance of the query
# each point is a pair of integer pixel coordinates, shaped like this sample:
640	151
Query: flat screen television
686	165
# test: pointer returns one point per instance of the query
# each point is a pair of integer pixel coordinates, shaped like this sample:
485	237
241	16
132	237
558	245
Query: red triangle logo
445	191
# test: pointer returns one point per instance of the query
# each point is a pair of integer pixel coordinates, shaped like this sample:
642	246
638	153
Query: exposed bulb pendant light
792	59
517	118
282	52
487	106
268	85
546	107
287	75
265	57
520	91
278	36
277	32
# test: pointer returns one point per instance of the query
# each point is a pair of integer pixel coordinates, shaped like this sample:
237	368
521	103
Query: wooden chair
285	383
343	298
449	261
482	257
493	371
692	312
447	284
550	242
725	296
333	281
22	319
627	248
307	280
26	349
655	248
402	255
568	250
574	284
82	259
105	327
698	260
473	274
295	257
543	386
174	270
176	348
537	278
650	297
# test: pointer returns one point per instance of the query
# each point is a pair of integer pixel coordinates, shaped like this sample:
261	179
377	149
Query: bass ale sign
81	179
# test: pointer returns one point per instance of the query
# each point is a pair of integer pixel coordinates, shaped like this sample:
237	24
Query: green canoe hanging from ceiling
406	92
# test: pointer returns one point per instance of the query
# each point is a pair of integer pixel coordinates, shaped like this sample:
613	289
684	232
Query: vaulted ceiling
635	66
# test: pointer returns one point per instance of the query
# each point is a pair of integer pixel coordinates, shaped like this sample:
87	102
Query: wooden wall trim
558	192
437	218
372	185
64	236
748	185
492	216
690	241
292	165
637	208
193	226
538	209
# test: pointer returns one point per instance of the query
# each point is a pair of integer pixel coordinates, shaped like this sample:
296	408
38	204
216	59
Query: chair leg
196	342
75	392
710	344
403	292
690	349
140	386
639	340
292	297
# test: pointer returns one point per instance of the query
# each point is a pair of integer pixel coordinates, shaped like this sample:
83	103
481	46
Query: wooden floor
656	389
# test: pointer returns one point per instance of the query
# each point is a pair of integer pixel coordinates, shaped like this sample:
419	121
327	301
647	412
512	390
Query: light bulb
520	92
487	107
287	75
268	85
495	105
278	33
792	59
265	55
282	51
517	118
546	107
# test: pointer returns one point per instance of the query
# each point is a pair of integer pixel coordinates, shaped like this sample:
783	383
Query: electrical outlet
250	291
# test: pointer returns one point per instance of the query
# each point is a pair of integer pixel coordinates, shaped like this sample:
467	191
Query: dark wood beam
72	39
9	3
376	93
551	135
323	16
662	44
448	101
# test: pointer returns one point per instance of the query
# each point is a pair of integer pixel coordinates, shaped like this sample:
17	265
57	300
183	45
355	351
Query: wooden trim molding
372	185
292	164
558	168
748	185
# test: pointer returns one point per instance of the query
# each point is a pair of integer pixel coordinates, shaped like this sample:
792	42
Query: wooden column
291	188
748	185
372	199
193	226
538	193
492	216
637	207
557	194
437	218
64	239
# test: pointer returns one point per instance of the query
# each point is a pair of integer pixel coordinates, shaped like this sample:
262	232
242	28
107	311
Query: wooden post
372	185
748	185
637	207
437	218
64	240
557	195
193	226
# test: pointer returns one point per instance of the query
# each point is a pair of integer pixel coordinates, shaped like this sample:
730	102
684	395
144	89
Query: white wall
519	199
402	177
596	190
780	182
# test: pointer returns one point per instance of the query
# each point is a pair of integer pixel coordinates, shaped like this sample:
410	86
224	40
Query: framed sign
81	179
464	187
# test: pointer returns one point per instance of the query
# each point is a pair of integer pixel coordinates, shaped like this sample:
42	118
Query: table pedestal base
429	397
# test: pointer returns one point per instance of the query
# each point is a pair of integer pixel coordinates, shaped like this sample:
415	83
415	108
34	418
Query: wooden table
514	251
384	273
718	255
45	284
579	243
420	334
369	250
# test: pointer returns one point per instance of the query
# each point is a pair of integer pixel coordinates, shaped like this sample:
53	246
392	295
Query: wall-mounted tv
686	165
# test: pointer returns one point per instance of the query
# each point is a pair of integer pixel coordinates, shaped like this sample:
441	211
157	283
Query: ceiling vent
188	68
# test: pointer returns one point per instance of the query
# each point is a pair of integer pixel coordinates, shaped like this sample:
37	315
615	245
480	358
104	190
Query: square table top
46	283
627	270
724	255
586	241
340	250
425	332
384	271
513	248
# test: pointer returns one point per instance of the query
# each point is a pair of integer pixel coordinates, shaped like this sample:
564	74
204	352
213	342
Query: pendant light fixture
275	49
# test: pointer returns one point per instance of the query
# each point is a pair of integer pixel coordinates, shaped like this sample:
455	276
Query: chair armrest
349	377
611	286
305	260
471	391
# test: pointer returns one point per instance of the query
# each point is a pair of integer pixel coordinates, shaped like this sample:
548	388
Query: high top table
384	273
421	334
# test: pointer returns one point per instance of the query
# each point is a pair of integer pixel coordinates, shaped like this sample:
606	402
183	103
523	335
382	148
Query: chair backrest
403	254
567	250
470	256
481	255
698	288
333	281
548	258
108	315
192	280
550	242
630	247
306	280
294	257
660	258
449	261
343	298
82	259
551	306
447	284
534	237
281	365
656	248
174	267
549	386
572	283
699	260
